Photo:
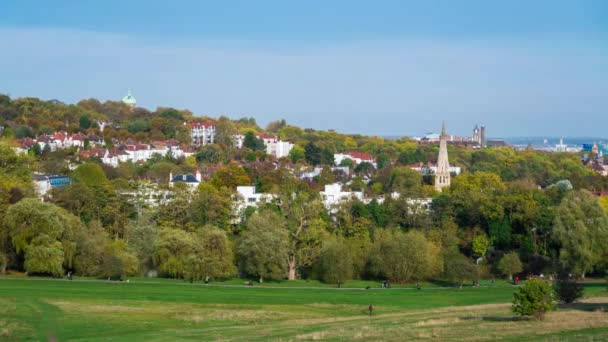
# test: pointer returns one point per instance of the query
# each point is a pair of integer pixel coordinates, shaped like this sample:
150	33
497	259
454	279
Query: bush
533	299
568	290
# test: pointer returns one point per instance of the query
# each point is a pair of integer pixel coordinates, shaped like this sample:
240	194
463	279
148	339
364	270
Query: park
89	309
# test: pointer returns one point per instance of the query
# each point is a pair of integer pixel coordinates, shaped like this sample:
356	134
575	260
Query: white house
356	157
333	195
202	133
192	181
248	197
279	149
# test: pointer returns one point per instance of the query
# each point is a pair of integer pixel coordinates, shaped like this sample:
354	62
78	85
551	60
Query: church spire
442	175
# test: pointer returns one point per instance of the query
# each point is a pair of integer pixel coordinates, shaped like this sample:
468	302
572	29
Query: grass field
43	309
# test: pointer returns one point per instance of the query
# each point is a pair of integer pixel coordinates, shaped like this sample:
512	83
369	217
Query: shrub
535	298
568	290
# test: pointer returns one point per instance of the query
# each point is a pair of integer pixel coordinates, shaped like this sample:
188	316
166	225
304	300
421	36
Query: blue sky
377	67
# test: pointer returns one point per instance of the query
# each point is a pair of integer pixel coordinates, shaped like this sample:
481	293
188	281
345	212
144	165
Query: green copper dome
129	99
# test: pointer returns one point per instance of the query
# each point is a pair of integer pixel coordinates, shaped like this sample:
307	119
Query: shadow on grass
585	306
497	318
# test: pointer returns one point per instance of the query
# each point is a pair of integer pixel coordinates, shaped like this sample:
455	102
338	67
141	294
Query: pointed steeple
442	174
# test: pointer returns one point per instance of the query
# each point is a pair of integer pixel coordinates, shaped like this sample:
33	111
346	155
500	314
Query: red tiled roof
265	136
199	124
360	155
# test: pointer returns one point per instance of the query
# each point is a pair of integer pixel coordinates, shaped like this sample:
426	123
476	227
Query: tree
459	268
480	245
296	154
580	229
510	264
336	262
117	261
312	154
90	251
306	226
263	248
230	176
567	289
210	153
535	298
45	234
211	206
173	250
252	142
85	122
216	253
405	257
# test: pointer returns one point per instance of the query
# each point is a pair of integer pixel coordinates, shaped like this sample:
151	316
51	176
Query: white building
192	181
279	149
202	133
248	197
356	157
333	195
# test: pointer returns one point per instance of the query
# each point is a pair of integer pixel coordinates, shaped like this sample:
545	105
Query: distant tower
482	142
476	138
442	176
129	100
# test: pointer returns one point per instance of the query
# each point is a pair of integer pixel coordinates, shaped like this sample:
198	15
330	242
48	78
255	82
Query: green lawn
39	309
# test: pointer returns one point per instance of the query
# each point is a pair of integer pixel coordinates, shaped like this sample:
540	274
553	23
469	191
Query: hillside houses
356	157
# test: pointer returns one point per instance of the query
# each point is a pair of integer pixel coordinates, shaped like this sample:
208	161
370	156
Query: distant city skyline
371	67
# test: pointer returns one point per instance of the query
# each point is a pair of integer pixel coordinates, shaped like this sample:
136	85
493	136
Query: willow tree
44	233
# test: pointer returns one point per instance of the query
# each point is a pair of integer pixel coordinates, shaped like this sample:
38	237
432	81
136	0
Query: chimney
198	175
483	136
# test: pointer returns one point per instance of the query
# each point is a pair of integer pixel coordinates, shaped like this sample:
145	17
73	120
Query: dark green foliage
312	154
535	298
567	290
252	142
85	122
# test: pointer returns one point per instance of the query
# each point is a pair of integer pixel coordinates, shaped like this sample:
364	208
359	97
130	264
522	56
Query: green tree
217	253
405	257
567	290
174	251
336	262
459	268
45	233
581	229
480	245
510	264
117	261
263	247
211	206
296	154
535	298
252	142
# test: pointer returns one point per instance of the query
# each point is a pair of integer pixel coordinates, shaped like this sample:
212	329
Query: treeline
482	226
508	212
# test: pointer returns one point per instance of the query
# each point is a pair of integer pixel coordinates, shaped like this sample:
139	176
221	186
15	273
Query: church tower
442	175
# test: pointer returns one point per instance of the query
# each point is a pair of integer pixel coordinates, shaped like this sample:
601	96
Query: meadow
92	310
